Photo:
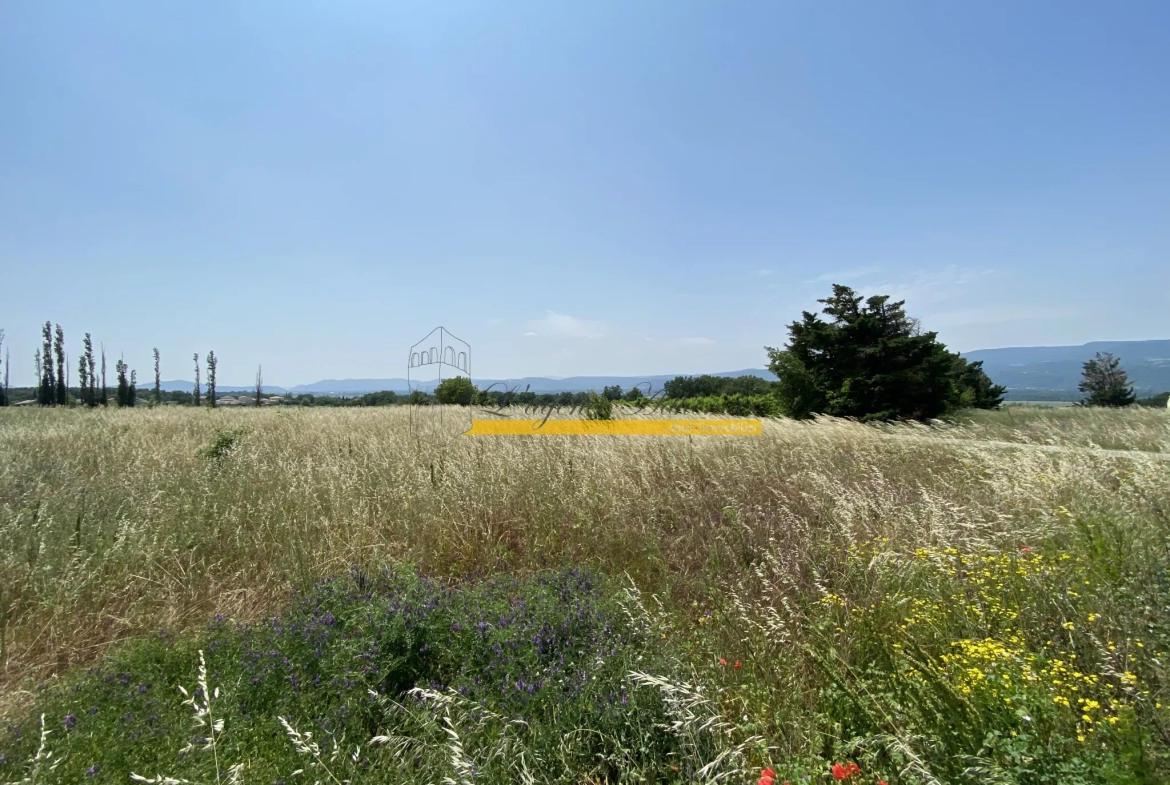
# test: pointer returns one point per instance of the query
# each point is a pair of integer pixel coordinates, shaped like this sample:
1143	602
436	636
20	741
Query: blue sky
574	188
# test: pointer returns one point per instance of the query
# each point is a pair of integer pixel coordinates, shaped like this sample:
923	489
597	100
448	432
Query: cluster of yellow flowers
956	592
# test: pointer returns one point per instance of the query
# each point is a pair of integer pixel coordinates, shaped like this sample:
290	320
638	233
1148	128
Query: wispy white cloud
1003	314
845	275
495	321
696	341
937	286
529	333
764	273
560	324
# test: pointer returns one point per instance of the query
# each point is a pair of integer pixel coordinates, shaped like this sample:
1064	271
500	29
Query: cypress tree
59	350
211	363
4	386
132	396
157	381
48	392
196	356
104	400
259	383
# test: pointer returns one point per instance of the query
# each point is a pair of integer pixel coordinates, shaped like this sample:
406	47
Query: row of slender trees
54	384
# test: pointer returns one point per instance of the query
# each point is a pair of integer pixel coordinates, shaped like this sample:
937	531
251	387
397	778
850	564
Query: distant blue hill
1025	370
179	385
1059	368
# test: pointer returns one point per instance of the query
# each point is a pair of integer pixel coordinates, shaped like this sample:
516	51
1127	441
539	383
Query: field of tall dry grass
854	579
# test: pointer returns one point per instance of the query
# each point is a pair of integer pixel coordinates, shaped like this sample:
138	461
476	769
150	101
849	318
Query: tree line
55	387
869	361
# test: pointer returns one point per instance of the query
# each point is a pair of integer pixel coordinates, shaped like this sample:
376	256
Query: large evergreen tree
1105	382
62	393
259	383
132	394
976	390
872	362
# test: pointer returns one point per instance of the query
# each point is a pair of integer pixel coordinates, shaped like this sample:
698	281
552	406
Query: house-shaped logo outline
450	356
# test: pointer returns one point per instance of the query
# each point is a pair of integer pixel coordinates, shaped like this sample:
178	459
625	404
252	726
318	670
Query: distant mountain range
1059	368
1028	370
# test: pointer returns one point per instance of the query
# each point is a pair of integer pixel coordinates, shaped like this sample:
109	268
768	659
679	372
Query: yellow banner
615	428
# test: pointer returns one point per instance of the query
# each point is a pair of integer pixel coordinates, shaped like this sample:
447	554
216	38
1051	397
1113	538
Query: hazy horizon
585	189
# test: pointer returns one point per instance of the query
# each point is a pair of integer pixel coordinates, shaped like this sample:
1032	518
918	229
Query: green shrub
531	675
600	407
224	442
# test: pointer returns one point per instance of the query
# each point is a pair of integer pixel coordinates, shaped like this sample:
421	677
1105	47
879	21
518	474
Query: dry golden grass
116	523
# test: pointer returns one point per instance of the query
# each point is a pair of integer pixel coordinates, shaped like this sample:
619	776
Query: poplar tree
157	381
196	356
211	363
48	394
4	386
104	399
91	368
132	397
83	380
59	350
259	383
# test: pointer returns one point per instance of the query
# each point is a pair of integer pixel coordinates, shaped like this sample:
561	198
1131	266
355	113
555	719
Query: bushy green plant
600	407
413	680
225	440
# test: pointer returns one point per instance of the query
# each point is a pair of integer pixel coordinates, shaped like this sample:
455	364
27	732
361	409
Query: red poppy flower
737	665
845	772
765	781
1026	549
722	661
767	776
